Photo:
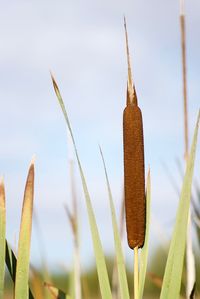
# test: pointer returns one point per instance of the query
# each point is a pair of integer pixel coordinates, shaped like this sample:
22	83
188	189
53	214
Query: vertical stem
136	274
184	74
190	262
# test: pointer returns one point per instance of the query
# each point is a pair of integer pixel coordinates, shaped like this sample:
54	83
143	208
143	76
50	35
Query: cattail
134	180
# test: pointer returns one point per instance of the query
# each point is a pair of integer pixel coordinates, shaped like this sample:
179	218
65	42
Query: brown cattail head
134	178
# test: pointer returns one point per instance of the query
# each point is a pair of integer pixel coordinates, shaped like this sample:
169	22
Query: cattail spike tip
131	99
182	7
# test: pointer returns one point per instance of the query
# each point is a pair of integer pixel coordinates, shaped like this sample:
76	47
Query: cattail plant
134	181
134	177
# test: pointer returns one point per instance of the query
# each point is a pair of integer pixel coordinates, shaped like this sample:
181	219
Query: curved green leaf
118	248
174	267
99	255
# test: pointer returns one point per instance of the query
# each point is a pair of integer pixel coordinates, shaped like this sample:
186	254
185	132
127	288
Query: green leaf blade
22	270
124	291
98	250
174	266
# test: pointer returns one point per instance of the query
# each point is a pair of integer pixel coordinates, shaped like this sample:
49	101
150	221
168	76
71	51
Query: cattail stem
190	261
136	274
184	74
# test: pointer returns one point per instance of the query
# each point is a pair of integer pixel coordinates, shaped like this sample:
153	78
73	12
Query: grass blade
124	292
22	270
174	266
145	249
2	236
11	263
99	255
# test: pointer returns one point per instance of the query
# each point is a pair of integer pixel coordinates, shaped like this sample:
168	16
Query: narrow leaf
2	236
11	263
118	248
99	255
174	266
145	249
22	271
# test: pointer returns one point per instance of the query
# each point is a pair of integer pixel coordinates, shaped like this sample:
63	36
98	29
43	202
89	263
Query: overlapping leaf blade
118	248
173	271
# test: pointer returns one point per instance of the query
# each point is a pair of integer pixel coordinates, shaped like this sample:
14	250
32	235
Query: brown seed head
134	180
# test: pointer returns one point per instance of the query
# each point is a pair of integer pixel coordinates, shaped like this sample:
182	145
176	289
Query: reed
190	260
137	208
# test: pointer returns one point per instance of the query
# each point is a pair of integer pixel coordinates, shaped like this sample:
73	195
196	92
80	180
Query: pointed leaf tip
54	84
33	160
1	180
31	172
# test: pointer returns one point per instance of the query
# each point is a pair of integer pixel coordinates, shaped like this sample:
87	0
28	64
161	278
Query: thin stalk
184	76
136	274
190	262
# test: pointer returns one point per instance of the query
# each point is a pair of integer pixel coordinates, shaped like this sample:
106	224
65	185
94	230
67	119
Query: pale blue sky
83	44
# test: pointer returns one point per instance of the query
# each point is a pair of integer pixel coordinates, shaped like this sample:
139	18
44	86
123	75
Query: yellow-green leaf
174	267
124	292
23	255
99	255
